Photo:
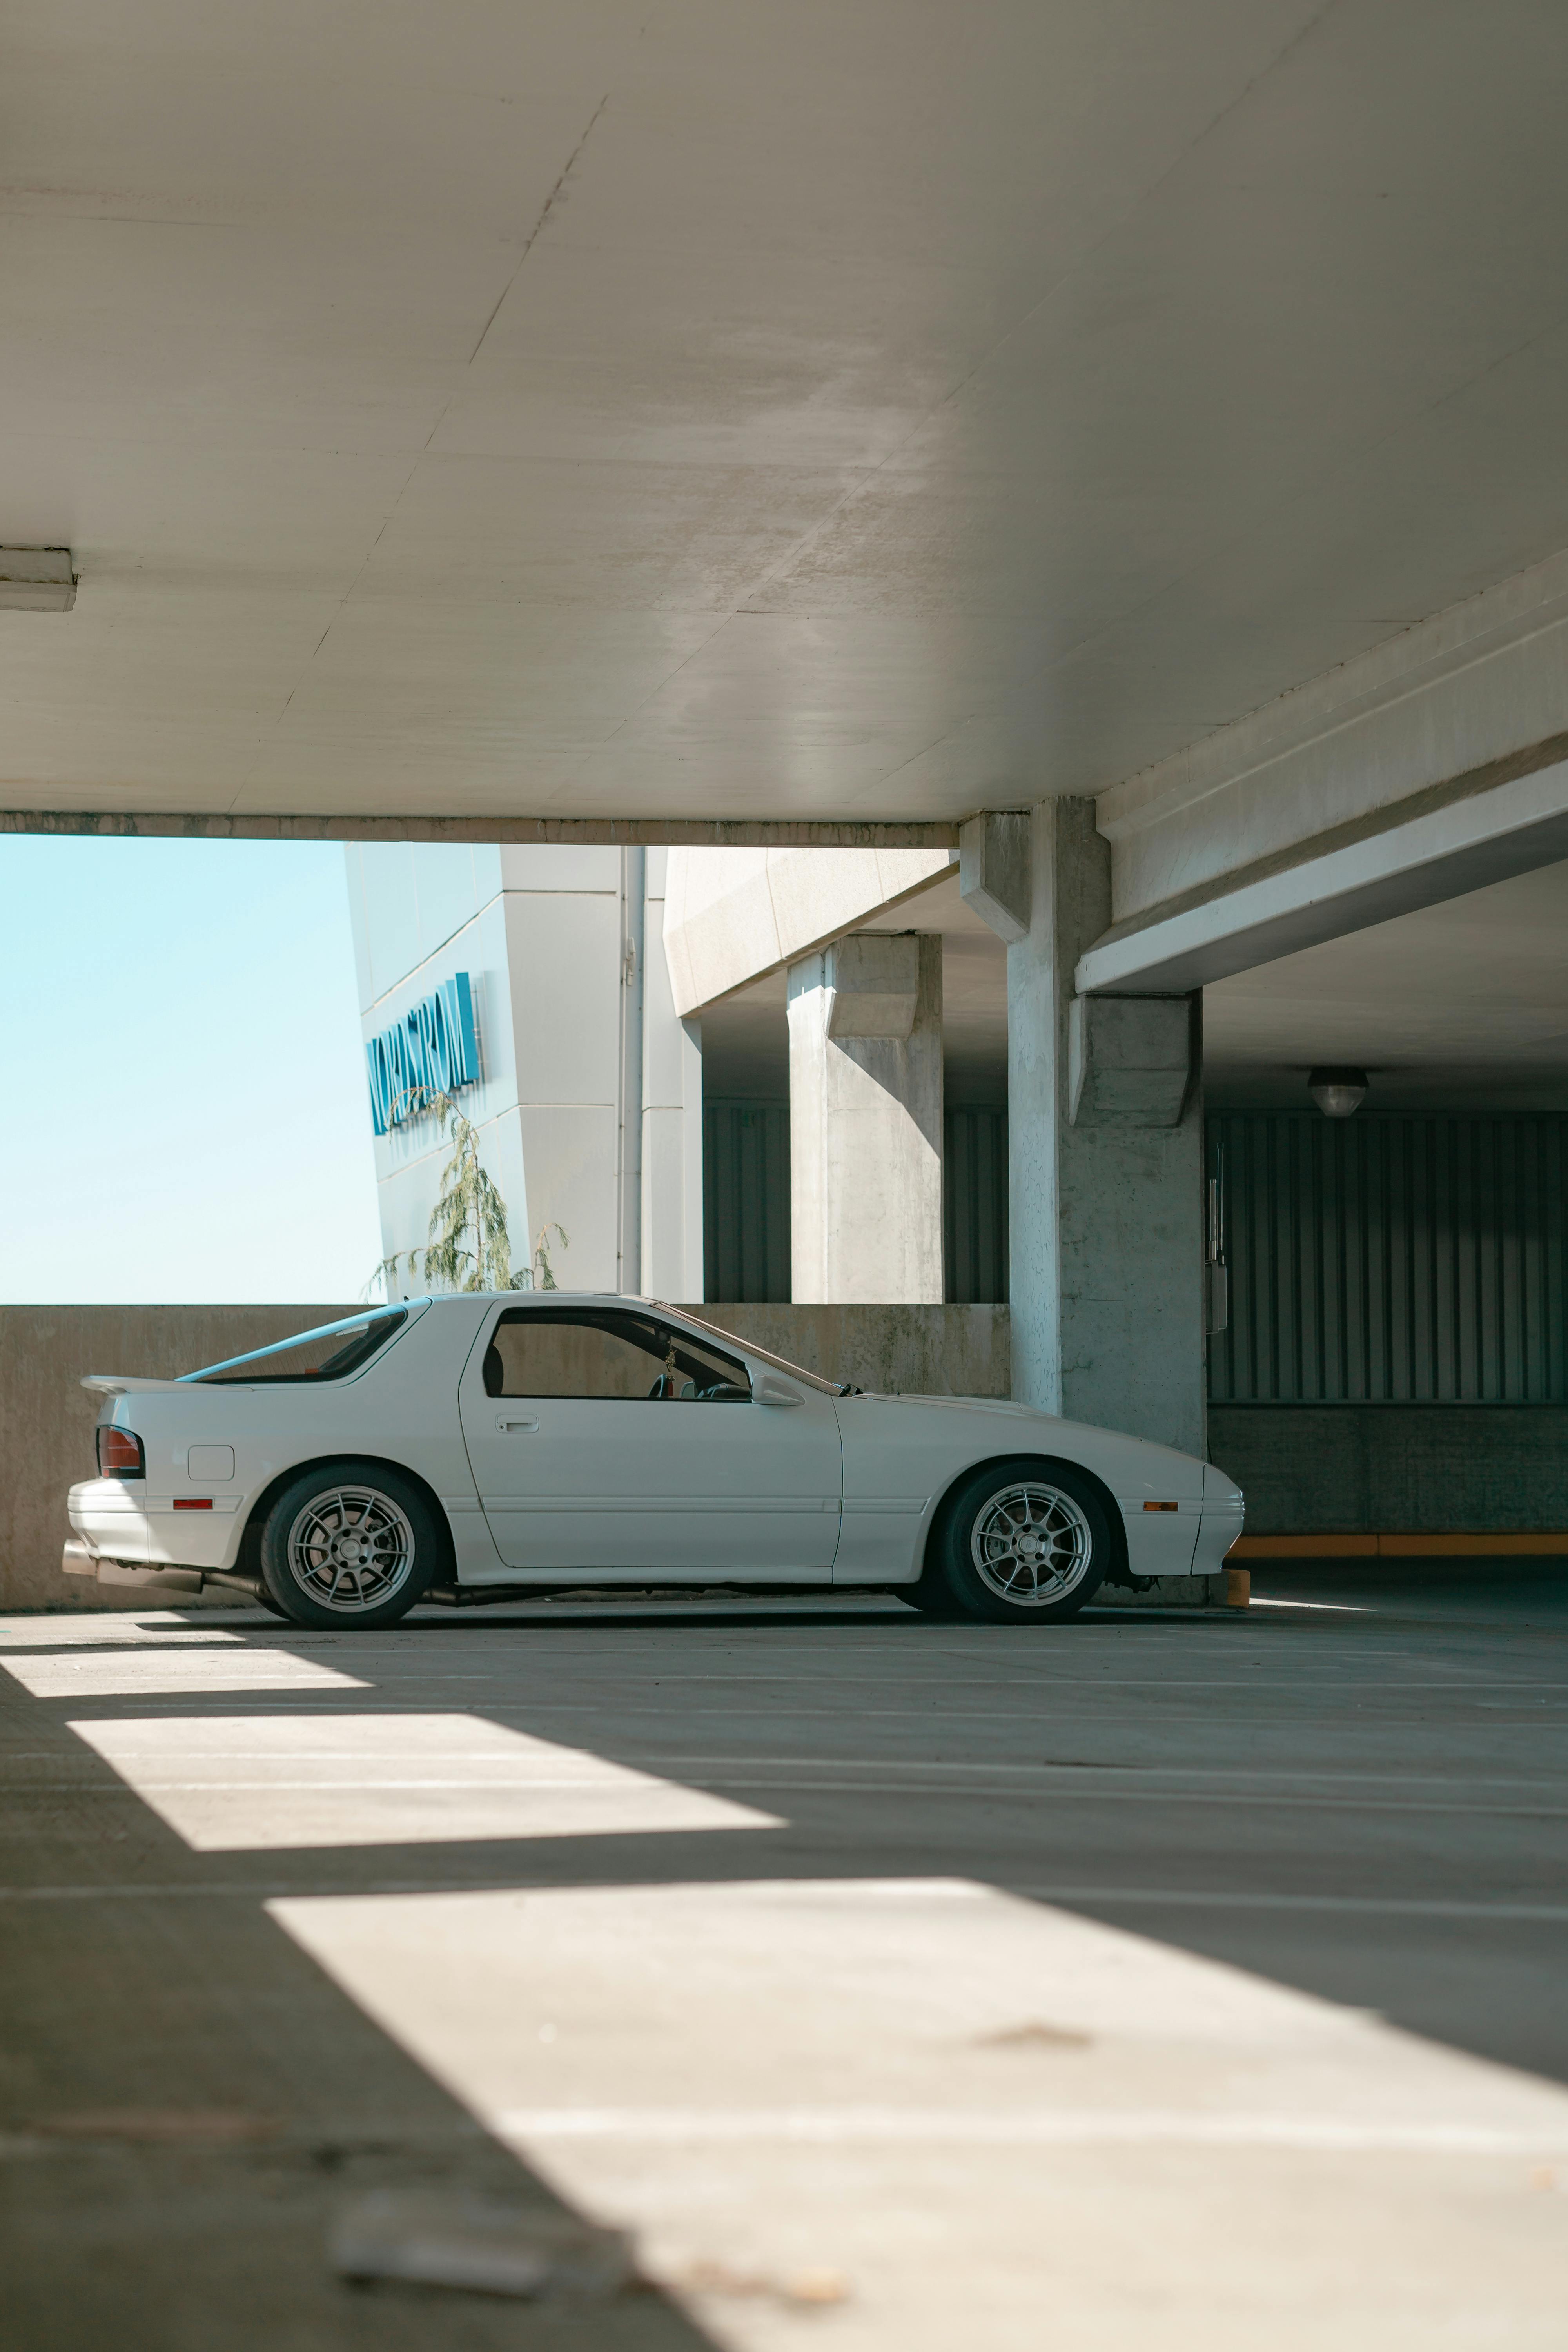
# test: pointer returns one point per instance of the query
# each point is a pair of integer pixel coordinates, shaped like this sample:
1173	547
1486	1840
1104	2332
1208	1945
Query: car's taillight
120	1454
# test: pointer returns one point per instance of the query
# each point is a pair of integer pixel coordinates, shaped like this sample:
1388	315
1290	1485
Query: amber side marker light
1159	1507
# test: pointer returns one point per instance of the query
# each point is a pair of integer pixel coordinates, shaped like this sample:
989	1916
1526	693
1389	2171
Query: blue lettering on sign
433	1050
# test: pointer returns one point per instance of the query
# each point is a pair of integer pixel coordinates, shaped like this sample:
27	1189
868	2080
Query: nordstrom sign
433	1050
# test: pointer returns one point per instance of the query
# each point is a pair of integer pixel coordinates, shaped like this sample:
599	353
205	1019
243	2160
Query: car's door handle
502	1422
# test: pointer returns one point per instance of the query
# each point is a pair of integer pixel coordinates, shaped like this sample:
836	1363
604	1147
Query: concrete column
865	1031
1106	1148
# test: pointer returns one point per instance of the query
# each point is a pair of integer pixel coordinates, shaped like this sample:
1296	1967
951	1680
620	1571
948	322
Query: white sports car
476	1448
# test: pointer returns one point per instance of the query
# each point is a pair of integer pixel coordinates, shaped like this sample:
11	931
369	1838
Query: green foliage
541	1277
470	1248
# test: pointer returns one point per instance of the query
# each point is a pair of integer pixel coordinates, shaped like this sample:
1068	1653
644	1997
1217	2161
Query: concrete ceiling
1463	1005
702	408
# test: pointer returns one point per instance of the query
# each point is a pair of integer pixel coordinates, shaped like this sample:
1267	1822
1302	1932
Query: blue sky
184	1106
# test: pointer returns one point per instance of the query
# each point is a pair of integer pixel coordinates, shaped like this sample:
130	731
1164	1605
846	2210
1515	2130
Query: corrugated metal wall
1391	1258
745	1203
974	1206
1382	1259
745	1200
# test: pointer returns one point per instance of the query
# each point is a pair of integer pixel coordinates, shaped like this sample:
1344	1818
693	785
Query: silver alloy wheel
1031	1544
351	1549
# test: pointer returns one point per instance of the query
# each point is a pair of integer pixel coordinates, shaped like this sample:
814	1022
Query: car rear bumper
115	1523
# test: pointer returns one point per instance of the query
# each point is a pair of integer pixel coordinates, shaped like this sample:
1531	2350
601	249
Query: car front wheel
349	1543
1026	1542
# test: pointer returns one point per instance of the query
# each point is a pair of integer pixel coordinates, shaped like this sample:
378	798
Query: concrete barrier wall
907	1350
46	1417
1395	1469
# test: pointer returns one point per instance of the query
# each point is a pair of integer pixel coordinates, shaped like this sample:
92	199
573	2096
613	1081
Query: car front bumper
1219	1525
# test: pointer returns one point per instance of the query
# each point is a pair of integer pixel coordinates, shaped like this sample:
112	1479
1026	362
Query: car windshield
327	1353
779	1363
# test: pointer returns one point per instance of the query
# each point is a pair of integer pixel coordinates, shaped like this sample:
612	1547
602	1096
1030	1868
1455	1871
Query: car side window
574	1352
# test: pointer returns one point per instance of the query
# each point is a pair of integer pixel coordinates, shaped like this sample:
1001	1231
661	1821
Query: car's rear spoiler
114	1384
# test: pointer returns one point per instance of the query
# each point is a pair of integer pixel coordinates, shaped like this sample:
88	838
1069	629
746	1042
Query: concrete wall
1332	1469
46	1417
908	1350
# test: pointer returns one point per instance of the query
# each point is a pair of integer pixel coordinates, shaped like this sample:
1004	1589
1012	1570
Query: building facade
583	1084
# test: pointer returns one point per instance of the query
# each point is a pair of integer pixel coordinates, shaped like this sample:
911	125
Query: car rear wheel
351	1543
1026	1542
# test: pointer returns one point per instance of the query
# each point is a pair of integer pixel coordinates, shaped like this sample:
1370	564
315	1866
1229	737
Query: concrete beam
1130	1060
994	870
1453	839
875	979
652	832
1472	695
733	915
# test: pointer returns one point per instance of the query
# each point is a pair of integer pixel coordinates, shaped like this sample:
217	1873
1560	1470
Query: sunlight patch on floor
246	1782
988	2121
1326	1608
105	1625
156	1674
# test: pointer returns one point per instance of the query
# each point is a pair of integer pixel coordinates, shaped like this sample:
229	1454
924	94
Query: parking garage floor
1188	1980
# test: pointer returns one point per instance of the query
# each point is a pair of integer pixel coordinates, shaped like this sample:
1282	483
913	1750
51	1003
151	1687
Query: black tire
1038	1525
932	1599
349	1543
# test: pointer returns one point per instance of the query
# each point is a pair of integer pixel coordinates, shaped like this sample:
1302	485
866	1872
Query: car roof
540	1298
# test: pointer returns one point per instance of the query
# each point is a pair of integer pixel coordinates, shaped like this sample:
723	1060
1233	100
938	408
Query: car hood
1087	1440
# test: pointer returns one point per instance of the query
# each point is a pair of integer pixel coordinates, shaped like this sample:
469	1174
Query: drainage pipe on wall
629	1108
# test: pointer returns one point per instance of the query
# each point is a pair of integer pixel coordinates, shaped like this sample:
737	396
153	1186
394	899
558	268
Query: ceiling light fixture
37	580
1337	1093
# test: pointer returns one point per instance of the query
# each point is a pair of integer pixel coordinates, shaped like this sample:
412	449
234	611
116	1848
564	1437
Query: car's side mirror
768	1388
